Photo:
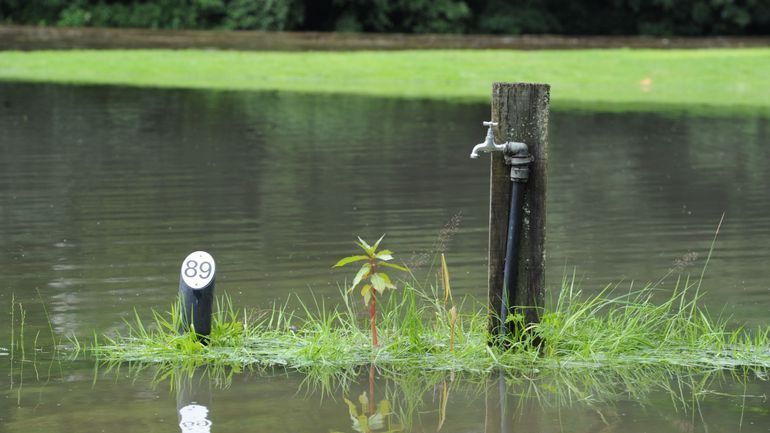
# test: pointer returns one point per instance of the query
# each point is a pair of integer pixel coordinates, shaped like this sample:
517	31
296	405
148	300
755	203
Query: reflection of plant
379	421
443	400
371	274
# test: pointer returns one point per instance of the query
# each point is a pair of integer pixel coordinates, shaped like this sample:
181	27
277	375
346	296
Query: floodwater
104	190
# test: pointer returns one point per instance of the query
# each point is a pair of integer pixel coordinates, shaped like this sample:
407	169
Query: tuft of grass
419	333
702	80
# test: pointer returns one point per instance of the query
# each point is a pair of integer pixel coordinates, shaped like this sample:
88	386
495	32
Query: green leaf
445	278
377	244
365	268
365	289
386	278
385	255
364	246
377	282
366	292
349	259
381	282
394	266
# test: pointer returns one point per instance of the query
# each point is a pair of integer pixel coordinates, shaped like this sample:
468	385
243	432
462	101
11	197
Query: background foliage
585	17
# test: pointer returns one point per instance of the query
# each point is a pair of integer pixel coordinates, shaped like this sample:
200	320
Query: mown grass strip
705	80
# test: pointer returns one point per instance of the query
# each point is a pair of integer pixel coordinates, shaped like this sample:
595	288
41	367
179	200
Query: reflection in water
193	418
585	400
575	401
371	418
192	402
500	417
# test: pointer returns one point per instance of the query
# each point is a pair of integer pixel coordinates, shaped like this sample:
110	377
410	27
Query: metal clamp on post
518	157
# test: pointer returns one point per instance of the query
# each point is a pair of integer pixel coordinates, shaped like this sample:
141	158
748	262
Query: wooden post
521	111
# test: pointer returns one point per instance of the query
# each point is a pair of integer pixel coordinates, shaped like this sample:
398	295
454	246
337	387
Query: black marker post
196	293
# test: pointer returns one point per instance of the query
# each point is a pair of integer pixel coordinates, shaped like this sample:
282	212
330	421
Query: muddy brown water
104	190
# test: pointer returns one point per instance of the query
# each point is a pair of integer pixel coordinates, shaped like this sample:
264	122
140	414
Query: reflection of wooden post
521	111
496	406
509	414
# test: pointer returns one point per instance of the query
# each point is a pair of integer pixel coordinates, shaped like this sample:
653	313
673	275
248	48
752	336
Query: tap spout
489	142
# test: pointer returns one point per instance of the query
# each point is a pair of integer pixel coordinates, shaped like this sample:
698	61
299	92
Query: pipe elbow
517	156
516	149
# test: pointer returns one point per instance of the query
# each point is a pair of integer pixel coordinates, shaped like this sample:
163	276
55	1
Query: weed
376	281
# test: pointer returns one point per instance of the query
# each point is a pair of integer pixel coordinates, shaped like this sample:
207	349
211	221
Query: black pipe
196	293
518	158
511	269
502	395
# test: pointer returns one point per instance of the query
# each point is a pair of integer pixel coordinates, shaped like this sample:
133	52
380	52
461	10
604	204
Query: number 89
192	269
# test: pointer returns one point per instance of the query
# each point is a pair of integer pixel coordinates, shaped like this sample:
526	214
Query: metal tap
489	143
516	154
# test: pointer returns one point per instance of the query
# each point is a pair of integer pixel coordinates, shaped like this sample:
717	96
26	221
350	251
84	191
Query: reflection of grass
733	79
19	347
622	331
415	394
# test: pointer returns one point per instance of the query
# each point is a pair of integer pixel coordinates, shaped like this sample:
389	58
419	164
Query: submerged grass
417	333
703	80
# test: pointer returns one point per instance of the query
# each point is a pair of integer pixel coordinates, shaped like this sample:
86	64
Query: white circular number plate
198	269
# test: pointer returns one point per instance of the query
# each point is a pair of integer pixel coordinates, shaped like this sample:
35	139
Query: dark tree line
578	17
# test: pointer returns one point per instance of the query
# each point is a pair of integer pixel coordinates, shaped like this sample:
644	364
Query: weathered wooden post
519	116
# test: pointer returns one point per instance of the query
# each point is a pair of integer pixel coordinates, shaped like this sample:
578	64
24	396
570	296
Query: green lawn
732	80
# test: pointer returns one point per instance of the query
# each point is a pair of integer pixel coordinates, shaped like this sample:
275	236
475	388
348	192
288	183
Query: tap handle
490	123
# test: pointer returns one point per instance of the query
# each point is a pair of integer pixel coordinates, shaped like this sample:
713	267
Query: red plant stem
372	318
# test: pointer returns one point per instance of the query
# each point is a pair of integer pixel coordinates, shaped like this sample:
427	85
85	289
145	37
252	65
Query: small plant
375	281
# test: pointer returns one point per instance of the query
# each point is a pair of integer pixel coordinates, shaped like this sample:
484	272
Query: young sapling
374	280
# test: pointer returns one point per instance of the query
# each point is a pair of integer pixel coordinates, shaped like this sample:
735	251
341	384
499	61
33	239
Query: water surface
104	190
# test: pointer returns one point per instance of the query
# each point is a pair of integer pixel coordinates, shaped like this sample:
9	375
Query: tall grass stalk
54	342
13	324
22	320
